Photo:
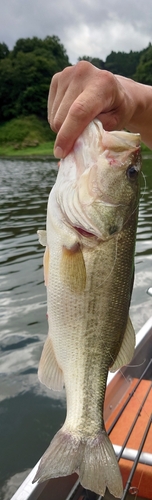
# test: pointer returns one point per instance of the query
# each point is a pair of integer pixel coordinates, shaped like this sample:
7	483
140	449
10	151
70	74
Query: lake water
29	413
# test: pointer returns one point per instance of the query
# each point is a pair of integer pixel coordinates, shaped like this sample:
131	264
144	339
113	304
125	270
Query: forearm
141	119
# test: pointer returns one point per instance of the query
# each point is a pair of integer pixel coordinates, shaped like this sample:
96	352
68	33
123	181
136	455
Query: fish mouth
85	233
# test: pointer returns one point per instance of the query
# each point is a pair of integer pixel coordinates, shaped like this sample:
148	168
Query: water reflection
29	413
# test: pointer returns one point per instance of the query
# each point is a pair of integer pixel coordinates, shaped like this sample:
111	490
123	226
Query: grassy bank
44	149
26	136
29	136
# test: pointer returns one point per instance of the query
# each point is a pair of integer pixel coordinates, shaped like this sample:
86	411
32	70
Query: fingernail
58	152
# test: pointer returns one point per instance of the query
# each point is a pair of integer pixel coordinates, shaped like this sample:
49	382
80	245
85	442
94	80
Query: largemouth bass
88	267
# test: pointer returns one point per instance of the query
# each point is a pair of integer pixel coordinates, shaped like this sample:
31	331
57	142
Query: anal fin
49	372
126	351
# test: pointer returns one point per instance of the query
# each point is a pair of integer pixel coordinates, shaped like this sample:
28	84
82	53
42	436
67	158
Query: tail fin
99	469
93	459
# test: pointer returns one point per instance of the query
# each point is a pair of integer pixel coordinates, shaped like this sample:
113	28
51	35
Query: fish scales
89	276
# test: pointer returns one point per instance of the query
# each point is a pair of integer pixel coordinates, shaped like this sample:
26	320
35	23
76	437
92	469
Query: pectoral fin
49	372
46	261
72	268
127	348
42	237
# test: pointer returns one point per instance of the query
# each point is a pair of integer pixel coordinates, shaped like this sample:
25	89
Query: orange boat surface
142	479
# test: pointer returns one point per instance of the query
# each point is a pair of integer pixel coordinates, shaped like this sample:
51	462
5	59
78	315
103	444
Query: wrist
140	108
136	105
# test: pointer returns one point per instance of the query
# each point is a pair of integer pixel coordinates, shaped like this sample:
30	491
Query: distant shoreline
45	156
30	138
31	157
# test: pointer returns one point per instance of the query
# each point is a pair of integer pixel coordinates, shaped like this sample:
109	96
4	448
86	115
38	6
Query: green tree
56	50
50	47
122	63
25	75
6	86
26	45
4	51
143	72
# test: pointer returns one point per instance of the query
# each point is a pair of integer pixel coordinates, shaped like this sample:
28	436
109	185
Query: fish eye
132	173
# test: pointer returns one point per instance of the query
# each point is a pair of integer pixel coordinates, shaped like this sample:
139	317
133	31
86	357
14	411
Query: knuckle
108	77
54	79
78	109
56	123
64	74
110	121
66	70
82	64
81	68
53	127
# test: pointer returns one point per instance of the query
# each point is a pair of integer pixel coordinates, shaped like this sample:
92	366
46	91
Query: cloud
99	43
85	27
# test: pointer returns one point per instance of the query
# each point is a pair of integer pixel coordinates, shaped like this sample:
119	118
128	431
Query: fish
89	244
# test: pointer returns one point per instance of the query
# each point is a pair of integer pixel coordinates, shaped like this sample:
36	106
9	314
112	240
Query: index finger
51	96
82	111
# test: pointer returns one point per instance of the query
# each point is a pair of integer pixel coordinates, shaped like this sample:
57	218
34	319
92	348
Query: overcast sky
85	27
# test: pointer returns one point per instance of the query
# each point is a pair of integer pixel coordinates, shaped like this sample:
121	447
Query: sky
85	27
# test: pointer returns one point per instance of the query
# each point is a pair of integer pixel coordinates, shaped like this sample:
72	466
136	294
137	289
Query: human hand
80	93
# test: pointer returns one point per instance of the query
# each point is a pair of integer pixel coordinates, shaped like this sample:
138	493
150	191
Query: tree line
26	72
